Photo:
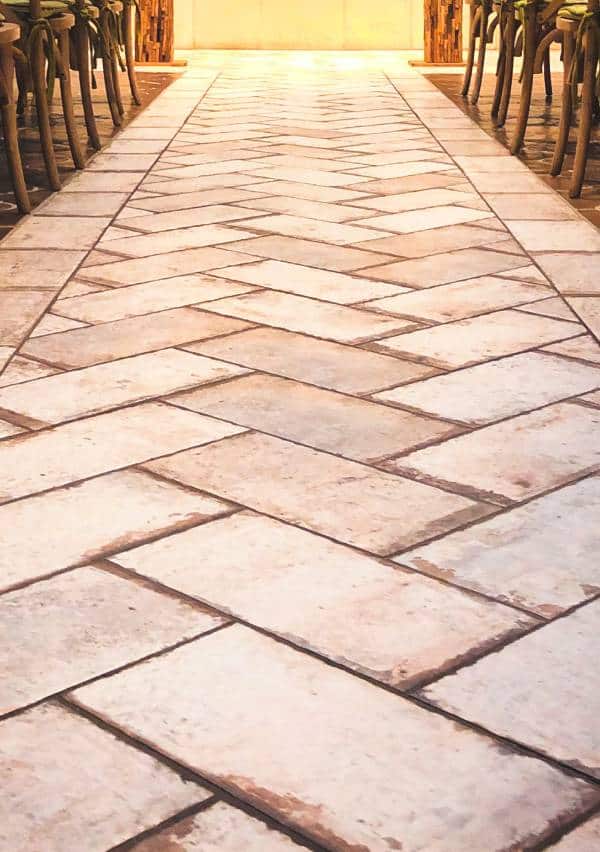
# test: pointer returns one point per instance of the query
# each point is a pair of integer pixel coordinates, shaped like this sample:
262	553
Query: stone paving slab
299	403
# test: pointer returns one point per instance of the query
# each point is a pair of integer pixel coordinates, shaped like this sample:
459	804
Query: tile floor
299	434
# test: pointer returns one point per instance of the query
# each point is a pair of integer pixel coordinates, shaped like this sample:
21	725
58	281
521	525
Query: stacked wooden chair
527	29
49	38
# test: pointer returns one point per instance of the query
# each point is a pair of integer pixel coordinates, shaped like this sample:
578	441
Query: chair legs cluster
527	29
41	41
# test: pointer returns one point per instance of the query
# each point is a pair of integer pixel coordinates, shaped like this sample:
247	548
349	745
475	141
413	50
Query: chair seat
573	12
8	32
49	7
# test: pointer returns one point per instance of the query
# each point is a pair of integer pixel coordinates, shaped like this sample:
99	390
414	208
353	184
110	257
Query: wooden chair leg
130	13
107	68
67	100
529	48
38	79
483	26
566	112
501	66
547	76
82	43
588	96
13	156
475	17
117	82
509	66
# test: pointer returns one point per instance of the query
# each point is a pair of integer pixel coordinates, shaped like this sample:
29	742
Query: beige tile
409	221
219	828
306	191
549	448
79	288
587	309
412	183
416	200
249	696
295	313
319	177
572	272
350	502
498	389
540	556
51	232
110	162
20	311
584	348
554	307
349	427
90	204
89	181
75	451
309	253
320	210
406	628
556	236
318	362
470	341
51	324
23	370
400	170
509	206
7	430
116	622
557	717
78	787
176	240
187	200
47	269
120	509
150	297
445	268
68	396
193	217
585	838
460	300
309	281
84	347
312	229
177	187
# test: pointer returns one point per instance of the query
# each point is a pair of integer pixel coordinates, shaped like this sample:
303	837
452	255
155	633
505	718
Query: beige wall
299	24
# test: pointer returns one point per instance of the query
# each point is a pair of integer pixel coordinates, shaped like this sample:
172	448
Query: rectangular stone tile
548	448
307	191
499	389
318	362
306	588
68	396
51	324
295	313
556	718
36	462
117	622
318	177
177	240
240	695
469	341
83	347
410	221
68	232
320	210
572	272
195	217
400	170
556	236
523	182
509	206
123	508
312	229
393	186
349	501
446	268
139	269
172	186
150	297
309	253
78	787
47	270
20	311
584	348
89	181
83	204
587	309
113	162
349	427
460	300
416	200
554	307
219	828
309	281
541	556
23	370
187	200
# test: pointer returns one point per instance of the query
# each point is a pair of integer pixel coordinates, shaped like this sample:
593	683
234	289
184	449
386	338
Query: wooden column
443	32
154	41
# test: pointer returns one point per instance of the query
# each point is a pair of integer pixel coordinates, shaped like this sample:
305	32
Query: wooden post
442	32
154	41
